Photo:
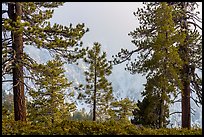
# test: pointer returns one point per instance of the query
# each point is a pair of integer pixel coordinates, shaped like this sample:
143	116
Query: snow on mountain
125	84
75	73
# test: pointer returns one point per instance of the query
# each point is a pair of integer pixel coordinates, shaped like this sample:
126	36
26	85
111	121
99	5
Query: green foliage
81	115
97	89
159	42
34	27
89	128
48	101
37	31
148	111
158	51
165	53
122	109
7	103
159	59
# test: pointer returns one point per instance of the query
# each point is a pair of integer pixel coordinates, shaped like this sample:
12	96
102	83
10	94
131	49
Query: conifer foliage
156	40
48	100
27	24
167	52
98	91
122	109
148	112
190	52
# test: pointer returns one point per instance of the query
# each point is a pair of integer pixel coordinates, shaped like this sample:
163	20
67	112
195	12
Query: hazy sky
109	22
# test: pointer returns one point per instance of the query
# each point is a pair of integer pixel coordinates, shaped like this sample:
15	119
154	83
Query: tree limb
175	112
195	25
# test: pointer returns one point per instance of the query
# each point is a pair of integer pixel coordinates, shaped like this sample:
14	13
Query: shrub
67	127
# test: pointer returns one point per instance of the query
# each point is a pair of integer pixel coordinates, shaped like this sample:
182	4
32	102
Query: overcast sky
109	22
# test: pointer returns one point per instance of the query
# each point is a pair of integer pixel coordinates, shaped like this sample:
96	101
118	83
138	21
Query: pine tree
7	105
98	90
27	25
122	109
163	52
148	112
191	54
81	115
48	100
158	57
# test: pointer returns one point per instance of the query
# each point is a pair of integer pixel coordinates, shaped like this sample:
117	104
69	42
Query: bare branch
4	11
7	80
173	100
179	100
175	113
196	102
198	89
194	16
7	66
193	111
195	25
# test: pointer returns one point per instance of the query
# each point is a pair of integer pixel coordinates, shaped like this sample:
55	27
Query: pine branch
124	57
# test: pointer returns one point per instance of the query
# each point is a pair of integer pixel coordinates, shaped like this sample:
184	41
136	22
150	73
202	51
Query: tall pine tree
27	24
183	54
158	58
98	91
190	52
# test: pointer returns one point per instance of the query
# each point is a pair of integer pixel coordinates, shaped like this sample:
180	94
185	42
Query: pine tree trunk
186	118
161	116
14	11
52	108
94	108
94	101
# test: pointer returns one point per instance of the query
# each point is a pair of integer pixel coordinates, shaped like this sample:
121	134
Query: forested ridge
167	51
